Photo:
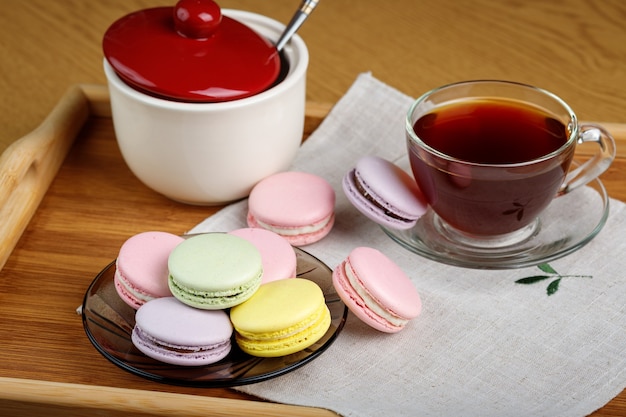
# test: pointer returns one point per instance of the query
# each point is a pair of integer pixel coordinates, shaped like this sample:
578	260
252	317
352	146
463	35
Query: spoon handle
306	8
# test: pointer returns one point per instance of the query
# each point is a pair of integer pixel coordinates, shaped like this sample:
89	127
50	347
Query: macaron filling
135	293
297	230
310	322
302	335
227	297
220	349
368	301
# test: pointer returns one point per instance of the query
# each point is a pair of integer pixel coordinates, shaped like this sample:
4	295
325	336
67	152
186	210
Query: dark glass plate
108	322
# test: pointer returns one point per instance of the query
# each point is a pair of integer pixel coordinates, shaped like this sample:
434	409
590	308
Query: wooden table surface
575	48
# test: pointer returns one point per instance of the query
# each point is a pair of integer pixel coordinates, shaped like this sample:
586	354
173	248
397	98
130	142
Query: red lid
190	52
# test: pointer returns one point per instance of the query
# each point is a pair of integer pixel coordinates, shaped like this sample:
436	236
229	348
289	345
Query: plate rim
223	382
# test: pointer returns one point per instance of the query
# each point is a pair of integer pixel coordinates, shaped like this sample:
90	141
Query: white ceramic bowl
213	153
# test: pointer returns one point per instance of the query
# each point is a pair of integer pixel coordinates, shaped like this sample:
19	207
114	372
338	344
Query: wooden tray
66	190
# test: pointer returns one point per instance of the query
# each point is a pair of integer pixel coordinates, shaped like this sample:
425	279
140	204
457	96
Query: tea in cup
490	156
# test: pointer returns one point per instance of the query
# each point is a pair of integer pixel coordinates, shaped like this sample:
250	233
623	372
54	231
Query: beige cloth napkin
484	345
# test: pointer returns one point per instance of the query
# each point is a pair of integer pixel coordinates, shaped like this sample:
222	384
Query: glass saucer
108	322
569	223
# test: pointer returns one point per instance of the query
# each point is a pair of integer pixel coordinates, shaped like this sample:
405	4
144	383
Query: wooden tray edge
26	397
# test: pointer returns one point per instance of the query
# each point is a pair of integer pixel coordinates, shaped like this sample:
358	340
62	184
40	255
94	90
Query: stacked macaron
189	286
193	294
219	271
214	271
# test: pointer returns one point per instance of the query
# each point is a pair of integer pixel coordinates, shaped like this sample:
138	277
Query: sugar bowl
203	104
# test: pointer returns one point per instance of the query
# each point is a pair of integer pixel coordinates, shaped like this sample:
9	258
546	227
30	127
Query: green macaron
214	271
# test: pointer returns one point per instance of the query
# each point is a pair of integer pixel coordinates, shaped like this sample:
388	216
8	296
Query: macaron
172	332
384	193
298	206
281	318
376	290
214	271
277	255
141	267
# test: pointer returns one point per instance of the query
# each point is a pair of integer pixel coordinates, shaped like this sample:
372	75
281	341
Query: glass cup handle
597	164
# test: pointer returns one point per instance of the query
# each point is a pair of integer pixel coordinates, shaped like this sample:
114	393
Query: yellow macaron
281	318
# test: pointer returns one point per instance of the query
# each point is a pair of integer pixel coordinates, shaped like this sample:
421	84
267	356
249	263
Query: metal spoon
297	20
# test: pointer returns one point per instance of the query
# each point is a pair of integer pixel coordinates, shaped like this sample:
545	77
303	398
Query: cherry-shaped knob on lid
190	52
197	19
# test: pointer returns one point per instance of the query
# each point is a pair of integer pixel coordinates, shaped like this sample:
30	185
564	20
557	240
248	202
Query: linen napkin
484	344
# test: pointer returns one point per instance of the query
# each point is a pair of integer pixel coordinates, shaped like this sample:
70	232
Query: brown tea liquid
489	200
491	132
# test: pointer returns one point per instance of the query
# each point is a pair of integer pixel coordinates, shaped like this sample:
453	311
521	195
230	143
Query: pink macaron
384	193
376	290
141	267
277	255
175	333
298	206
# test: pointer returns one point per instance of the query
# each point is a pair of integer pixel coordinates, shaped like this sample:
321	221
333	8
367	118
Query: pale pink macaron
141	267
277	255
377	290
298	206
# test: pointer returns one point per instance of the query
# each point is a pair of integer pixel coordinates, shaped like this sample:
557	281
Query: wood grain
574	48
37	398
29	165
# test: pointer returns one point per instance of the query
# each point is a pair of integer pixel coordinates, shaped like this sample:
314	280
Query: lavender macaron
175	333
384	193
